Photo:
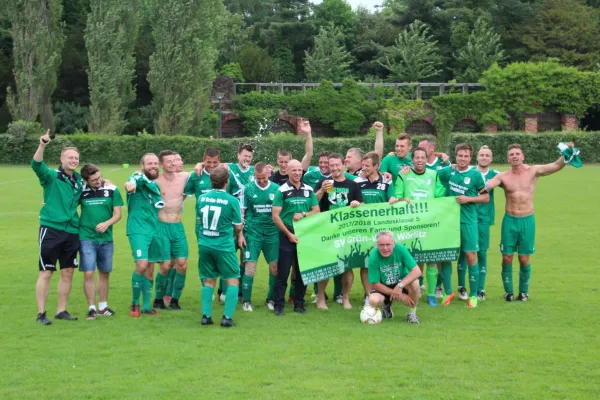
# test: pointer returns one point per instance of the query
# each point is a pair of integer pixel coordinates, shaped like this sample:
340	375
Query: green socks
161	286
524	276
461	267
432	275
337	286
473	280
271	292
507	278
170	279
247	282
439	280
482	261
147	294
206	295
292	289
178	285
137	284
231	299
447	277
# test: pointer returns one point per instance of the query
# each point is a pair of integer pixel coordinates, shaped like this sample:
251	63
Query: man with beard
242	171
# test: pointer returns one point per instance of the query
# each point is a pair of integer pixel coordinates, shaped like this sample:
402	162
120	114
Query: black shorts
387	298
57	245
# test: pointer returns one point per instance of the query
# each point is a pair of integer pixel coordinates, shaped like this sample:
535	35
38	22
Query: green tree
110	36
283	63
338	13
329	59
37	43
414	57
182	68
480	53
256	64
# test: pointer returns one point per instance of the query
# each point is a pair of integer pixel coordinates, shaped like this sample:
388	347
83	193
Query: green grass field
545	348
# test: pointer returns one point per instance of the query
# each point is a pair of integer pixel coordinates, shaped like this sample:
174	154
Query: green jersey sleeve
44	174
444	174
374	272
278	200
237	215
190	185
400	187
313	199
384	167
407	260
117	198
391	191
440	189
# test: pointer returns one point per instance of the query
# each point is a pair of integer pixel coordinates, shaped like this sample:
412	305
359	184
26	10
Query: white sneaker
270	305
462	293
423	289
439	293
247	306
339	300
222	298
314	301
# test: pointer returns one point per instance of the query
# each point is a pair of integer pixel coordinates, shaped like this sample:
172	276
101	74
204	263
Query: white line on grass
18	180
116	169
18	213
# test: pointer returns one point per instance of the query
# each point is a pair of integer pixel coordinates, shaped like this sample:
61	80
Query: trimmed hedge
104	149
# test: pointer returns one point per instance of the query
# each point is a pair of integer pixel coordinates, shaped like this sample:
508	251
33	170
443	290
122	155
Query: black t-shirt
343	194
279	179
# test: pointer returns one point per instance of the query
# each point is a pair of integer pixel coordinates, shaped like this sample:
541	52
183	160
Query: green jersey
241	178
393	164
217	212
199	185
258	203
61	197
486	212
415	187
294	200
378	191
390	270
97	205
437	164
312	177
143	206
464	183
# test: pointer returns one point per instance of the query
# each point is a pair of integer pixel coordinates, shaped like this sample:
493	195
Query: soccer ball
370	315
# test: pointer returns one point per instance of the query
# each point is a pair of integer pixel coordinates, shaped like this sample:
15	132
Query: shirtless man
171	240
518	224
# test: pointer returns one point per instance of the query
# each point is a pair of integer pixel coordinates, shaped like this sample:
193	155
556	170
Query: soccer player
393	163
518	224
259	234
336	193
143	204
170	241
467	185
354	156
173	271
59	227
394	275
311	178
284	157
101	204
434	161
419	184
293	200
242	171
220	216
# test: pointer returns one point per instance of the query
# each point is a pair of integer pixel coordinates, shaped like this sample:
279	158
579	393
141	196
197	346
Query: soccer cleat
339	300
278	312
432	301
386	311
151	312
462	293
206	320
167	299
227	322
481	295
270	305
135	310
91	315
107	312
439	293
42	319
472	302
174	305
508	297
247	306
300	310
222	298
412	318
64	315
447	299
160	304
523	297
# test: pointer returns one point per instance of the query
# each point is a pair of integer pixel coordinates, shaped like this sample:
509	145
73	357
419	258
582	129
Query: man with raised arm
518	224
284	157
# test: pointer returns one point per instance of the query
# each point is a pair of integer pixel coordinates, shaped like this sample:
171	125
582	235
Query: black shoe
206	320
91	315
65	315
523	297
227	322
174	304
42	319
386	311
481	295
151	312
509	297
160	304
300	310
278	311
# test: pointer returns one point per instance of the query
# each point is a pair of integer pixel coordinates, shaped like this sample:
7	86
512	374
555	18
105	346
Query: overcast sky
370	4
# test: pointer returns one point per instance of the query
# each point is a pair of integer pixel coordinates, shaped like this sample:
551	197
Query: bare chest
522	183
172	188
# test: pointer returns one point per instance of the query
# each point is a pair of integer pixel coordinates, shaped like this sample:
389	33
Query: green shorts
269	245
484	236
170	242
141	245
213	264
518	235
469	237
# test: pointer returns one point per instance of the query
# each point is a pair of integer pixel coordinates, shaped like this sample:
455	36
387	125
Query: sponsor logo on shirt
271	196
467	180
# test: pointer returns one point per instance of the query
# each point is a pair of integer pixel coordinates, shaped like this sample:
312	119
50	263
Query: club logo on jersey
467	180
271	196
306	193
428	181
254	197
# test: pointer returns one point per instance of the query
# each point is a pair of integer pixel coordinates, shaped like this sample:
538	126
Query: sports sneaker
174	305
508	297
227	322
167	299
247	306
412	318
65	316
270	305
278	312
339	300
386	311
300	310
472	302
160	304
462	293
439	293
447	299
107	312
206	320
481	295
222	298
523	297
432	301
42	319
151	312
135	310
91	315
